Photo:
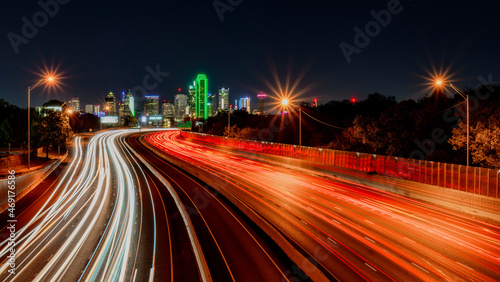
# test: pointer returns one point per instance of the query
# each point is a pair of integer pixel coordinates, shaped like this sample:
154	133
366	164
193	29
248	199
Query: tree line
432	127
50	129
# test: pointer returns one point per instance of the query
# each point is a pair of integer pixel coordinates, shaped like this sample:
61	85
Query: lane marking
465	265
369	239
421	268
135	274
372	268
151	274
331	240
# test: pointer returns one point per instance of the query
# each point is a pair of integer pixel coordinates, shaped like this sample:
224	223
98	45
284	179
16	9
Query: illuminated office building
89	109
128	104
110	107
180	104
151	105
224	99
192	100
168	109
74	104
245	104
201	104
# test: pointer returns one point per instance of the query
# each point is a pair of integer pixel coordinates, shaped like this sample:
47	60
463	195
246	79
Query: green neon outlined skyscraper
201	85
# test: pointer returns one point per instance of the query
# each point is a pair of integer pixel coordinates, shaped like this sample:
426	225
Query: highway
349	232
235	249
101	218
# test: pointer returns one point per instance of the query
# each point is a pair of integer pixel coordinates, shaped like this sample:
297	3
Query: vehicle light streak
377	234
66	221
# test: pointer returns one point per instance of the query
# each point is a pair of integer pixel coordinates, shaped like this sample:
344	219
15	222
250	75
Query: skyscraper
262	97
181	103
192	99
245	104
74	104
211	104
201	87
168	109
151	104
97	109
89	109
223	99
110	107
128	104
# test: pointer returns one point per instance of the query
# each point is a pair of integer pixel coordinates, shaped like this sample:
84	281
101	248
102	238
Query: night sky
103	46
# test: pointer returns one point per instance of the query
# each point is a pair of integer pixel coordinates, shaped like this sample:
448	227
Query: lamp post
466	98
300	126
49	79
285	104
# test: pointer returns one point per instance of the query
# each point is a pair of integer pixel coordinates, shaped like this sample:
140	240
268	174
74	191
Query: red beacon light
353	100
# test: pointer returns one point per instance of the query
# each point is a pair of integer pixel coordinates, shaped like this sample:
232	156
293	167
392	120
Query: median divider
271	230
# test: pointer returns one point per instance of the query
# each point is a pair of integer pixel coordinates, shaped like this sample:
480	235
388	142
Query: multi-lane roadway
132	205
348	231
101	219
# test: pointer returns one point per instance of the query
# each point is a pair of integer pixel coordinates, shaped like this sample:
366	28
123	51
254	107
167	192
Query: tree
247	133
130	121
6	132
231	131
484	135
50	129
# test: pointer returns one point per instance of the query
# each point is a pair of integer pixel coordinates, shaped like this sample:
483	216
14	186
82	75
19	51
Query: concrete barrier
26	182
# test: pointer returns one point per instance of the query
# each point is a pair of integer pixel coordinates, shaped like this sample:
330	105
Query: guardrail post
451	176
488	184
498	171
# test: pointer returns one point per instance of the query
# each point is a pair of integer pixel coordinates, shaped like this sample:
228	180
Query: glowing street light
48	79
284	102
440	83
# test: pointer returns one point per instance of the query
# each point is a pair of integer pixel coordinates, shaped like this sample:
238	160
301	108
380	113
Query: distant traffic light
353	100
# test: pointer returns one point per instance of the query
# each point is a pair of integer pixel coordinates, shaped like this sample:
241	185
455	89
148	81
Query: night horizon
236	140
112	51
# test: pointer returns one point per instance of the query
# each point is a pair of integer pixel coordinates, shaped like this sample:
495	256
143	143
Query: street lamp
49	79
466	98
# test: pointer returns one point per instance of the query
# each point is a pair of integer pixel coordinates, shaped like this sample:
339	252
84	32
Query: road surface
350	231
102	219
